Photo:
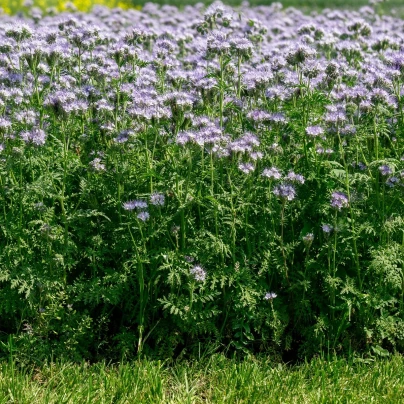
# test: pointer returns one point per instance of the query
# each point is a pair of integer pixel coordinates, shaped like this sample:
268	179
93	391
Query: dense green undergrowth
215	380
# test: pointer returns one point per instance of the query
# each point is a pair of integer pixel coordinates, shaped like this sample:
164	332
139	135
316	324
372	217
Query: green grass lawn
214	380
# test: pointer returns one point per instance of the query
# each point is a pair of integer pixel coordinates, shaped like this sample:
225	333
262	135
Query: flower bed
170	179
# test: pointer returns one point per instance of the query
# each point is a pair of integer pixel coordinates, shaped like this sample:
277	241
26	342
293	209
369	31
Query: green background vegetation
308	4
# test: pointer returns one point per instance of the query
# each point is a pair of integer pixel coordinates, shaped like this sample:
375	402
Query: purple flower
336	114
35	136
362	166
143	216
380	96
188	258
292	176
4	124
259	116
246	168
122	137
270	295
327	229
244	144
135	204
278	117
348	130
217	43
256	155
272	173
298	53
385	170
339	200
157	199
97	165
392	181
241	46
314	131
285	191
254	79
198	273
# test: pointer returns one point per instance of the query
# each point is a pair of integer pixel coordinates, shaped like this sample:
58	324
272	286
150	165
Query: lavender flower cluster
82	64
124	70
198	273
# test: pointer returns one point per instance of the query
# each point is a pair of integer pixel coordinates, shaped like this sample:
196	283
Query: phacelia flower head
135	204
292	176
246	168
35	136
270	296
392	181
97	165
327	229
198	273
188	258
4	125
299	53
385	170
339	200
286	192
143	216
362	166
272	173
314	131
157	199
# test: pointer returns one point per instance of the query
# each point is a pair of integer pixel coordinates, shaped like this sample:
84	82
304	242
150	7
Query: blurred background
395	7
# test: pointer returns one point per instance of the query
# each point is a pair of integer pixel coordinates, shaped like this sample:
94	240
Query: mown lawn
213	380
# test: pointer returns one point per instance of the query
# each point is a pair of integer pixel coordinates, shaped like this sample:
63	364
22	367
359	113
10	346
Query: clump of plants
169	180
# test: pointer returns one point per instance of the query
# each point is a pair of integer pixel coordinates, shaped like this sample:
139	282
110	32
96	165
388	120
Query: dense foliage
171	179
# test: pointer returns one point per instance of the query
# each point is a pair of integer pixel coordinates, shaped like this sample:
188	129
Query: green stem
142	298
221	92
282	243
239	77
351	214
334	265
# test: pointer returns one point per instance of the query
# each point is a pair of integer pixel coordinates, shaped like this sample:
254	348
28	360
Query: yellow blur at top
14	6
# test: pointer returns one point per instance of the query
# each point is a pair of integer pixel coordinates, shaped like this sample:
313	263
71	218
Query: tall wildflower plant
170	179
